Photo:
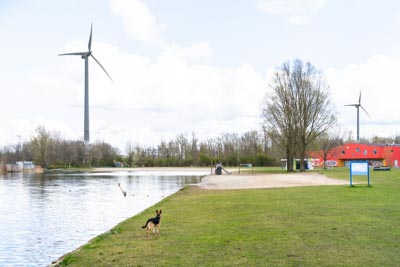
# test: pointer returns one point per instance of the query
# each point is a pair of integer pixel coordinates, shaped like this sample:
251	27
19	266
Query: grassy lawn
303	226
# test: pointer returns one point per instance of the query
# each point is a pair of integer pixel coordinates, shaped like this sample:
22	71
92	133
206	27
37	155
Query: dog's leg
157	230
150	228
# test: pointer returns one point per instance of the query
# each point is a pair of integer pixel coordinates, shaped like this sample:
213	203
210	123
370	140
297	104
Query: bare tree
298	110
194	148
396	139
315	114
279	113
326	144
130	152
41	144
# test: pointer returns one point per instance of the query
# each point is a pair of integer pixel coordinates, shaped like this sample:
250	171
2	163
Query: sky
183	67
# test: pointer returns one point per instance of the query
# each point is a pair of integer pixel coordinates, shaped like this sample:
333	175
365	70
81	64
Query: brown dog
153	224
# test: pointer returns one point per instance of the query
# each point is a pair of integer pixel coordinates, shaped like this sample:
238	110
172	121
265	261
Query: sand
248	181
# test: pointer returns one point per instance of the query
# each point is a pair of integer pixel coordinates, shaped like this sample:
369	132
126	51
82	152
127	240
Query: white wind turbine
358	106
85	56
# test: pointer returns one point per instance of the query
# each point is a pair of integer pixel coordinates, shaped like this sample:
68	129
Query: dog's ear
156	211
160	211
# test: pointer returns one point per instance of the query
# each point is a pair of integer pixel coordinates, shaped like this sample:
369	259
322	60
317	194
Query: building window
365	152
343	152
357	149
375	151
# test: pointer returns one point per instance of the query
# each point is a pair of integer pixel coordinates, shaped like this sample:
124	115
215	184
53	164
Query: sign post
359	168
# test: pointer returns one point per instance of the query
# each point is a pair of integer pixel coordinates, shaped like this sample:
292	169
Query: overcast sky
189	66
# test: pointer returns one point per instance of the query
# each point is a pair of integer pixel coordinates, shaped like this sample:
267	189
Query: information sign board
358	168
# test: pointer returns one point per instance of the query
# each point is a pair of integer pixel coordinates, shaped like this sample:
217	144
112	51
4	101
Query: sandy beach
247	181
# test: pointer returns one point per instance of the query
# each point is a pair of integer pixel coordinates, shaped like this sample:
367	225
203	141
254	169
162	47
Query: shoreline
112	169
246	180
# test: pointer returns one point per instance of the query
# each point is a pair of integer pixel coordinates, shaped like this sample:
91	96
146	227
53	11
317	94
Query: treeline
50	150
229	149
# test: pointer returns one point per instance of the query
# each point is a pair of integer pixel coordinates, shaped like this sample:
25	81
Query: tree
396	139
298	109
278	113
41	144
326	145
130	153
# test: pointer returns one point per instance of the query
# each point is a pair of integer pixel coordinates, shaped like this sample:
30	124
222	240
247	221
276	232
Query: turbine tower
358	106
85	56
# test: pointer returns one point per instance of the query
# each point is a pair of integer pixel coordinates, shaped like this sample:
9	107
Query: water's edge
60	259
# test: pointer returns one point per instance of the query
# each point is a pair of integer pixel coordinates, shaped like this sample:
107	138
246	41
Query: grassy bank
303	226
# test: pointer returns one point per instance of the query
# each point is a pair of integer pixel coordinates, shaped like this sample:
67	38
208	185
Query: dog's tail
144	226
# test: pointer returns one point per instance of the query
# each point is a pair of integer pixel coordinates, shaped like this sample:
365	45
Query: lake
44	216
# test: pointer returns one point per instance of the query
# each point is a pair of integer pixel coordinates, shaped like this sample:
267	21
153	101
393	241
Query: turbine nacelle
88	54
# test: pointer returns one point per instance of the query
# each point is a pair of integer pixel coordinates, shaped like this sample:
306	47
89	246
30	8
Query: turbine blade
90	38
352	105
74	54
102	67
365	111
359	99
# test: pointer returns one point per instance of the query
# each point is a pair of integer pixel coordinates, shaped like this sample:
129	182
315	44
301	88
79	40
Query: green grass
299	226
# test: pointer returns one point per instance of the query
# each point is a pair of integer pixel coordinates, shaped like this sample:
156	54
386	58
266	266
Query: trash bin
218	170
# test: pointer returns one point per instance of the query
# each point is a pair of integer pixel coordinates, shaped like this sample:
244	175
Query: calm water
43	217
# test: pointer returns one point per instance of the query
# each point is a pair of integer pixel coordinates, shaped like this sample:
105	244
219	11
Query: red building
377	155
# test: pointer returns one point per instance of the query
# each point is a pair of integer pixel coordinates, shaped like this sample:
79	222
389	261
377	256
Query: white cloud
299	11
192	52
397	20
139	23
291	6
299	20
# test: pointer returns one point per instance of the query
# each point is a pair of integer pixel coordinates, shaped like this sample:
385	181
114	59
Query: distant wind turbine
85	56
358	106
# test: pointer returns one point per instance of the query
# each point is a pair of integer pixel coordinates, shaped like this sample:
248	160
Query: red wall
383	154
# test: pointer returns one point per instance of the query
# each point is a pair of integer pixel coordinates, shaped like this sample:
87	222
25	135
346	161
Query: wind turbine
85	56
358	106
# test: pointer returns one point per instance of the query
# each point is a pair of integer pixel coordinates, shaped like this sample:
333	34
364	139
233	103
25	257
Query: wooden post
122	190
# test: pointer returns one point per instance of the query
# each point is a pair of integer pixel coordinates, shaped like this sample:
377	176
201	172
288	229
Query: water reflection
45	216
